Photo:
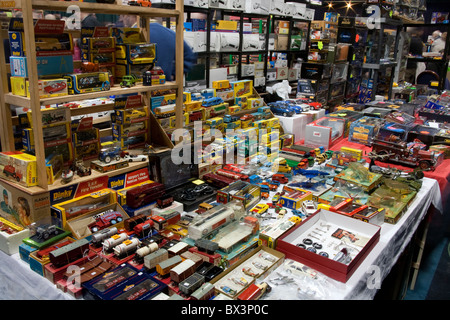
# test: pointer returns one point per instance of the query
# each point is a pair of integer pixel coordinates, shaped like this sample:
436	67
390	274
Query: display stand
34	102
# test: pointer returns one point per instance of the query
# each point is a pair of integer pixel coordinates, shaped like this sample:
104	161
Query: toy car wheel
94	229
424	165
119	219
117	158
107	159
113	221
284	114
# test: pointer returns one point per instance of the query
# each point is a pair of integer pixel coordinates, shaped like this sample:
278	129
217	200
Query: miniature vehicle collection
297	184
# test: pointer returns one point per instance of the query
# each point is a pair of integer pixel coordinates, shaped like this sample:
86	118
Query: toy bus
165	111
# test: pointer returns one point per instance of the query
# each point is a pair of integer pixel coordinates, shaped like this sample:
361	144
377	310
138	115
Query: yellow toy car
260	208
178	230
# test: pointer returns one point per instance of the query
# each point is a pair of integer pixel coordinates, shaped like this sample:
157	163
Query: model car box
64	211
88	82
294	200
99	287
19	167
51	116
364	130
46	66
242	87
103	44
37	262
131	116
103	59
130	130
136	53
50	38
267	259
348	231
325	132
80	226
269	234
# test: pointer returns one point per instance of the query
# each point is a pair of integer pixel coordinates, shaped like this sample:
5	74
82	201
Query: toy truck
399	151
128	81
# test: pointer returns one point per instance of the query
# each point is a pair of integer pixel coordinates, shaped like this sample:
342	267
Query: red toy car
281	178
105	220
55	87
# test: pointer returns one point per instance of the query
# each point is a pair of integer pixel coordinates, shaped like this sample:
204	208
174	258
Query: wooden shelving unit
34	102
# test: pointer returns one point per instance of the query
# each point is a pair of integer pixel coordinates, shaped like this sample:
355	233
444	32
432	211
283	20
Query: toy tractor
128	81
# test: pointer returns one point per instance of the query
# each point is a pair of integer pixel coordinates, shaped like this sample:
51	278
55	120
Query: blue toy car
281	110
108	154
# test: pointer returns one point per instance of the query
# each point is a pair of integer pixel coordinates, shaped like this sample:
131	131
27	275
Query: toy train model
144	194
69	253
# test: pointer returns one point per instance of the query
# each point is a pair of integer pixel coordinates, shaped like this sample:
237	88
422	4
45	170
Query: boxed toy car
136	53
87	224
51	40
324	132
19	167
51	116
64	211
131	116
105	44
256	264
364	129
46	66
88	82
353	238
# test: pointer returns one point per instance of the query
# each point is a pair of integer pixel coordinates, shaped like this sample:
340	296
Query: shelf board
116	90
95	174
105	8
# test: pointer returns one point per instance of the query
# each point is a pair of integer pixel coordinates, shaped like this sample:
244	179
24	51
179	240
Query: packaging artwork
22	208
19	167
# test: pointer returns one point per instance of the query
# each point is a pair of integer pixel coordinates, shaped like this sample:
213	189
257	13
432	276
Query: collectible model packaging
324	132
46	66
330	243
51	40
88	82
108	282
18	167
64	211
256	265
88	224
11	236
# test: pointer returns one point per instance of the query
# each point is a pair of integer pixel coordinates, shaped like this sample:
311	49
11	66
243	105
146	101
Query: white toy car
308	207
135	157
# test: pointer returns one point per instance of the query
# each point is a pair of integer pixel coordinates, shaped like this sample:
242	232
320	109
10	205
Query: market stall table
18	281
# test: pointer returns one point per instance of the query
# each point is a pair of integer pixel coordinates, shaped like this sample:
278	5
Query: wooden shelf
116	90
105	8
95	174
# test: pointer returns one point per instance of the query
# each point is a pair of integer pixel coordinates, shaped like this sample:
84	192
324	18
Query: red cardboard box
366	235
